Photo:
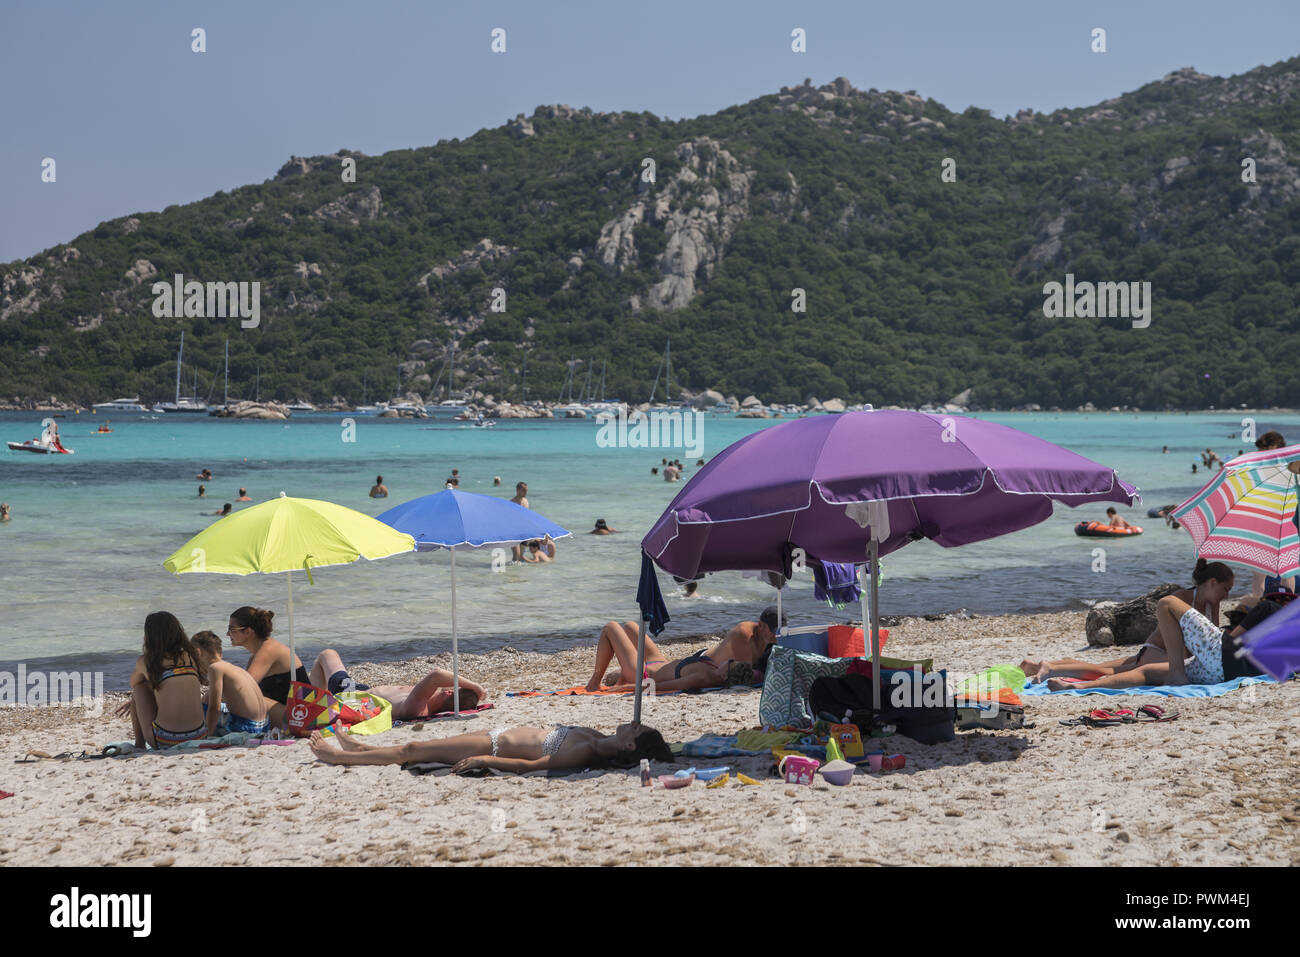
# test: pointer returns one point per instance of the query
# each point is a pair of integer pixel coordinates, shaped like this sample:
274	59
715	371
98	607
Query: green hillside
916	288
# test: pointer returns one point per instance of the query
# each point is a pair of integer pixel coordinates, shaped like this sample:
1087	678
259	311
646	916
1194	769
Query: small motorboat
36	445
1102	530
47	444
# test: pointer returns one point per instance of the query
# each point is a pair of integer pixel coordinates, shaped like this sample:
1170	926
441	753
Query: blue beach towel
1168	691
835	584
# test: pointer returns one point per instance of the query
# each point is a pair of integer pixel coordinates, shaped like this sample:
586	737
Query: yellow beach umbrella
286	534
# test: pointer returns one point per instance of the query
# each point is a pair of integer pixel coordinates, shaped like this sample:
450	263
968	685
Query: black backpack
830	699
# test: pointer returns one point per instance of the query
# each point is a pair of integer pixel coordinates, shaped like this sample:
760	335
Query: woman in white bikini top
513	749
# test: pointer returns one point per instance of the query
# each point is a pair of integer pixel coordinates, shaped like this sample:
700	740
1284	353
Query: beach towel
719	745
650	598
835	584
438	769
618	690
1170	691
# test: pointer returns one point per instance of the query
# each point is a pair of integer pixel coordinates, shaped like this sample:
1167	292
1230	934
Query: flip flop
1152	713
1102	718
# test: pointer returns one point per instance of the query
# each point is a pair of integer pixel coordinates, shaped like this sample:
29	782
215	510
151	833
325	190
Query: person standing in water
521	499
379	489
243	496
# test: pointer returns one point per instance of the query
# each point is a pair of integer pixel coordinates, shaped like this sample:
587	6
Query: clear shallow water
80	564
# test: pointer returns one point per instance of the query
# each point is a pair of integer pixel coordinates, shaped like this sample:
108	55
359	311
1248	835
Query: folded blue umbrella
650	598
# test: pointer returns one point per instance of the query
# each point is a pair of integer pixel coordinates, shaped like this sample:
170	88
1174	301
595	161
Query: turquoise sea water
80	563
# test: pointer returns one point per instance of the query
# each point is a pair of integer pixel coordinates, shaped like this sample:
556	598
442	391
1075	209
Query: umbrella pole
455	649
292	670
875	622
640	670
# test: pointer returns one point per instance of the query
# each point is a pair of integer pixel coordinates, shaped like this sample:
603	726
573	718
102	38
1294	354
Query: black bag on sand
830	699
1234	667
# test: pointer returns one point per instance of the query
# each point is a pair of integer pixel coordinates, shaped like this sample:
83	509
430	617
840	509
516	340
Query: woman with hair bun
1211	584
250	629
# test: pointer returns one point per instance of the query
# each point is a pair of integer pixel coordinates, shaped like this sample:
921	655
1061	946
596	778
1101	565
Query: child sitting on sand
432	695
235	703
165	686
510	749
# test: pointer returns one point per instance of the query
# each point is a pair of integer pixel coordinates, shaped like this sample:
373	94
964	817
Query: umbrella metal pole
863	591
455	649
640	670
875	622
292	670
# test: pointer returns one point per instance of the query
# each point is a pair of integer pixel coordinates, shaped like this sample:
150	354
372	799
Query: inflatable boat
1102	530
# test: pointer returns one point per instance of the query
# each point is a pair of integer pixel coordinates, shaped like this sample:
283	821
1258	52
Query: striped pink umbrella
1247	512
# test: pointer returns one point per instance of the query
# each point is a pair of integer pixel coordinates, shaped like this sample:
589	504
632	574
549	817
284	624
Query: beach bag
845	641
309	709
376	712
852	695
786	683
1234	667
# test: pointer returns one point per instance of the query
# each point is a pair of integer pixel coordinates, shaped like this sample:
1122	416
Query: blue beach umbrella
454	519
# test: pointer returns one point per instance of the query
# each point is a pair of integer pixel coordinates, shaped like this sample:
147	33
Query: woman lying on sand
510	749
1184	631
1212	584
432	695
731	661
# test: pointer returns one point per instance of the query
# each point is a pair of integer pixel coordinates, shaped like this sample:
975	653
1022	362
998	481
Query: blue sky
136	121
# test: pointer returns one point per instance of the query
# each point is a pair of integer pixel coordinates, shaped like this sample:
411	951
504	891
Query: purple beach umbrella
855	486
1274	644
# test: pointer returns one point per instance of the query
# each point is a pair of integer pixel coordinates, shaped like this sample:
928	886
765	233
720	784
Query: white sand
1219	786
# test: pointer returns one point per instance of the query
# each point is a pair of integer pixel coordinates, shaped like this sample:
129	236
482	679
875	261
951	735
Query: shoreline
1216	787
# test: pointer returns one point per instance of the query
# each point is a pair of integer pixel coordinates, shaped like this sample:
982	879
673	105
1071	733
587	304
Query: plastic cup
874	758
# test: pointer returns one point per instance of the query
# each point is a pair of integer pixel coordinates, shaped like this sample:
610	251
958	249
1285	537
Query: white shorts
1204	641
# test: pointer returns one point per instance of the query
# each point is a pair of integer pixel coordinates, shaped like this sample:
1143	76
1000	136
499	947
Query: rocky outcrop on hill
484	254
353	207
698	208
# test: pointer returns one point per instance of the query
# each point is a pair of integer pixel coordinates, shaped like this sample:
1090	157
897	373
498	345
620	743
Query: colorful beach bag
309	709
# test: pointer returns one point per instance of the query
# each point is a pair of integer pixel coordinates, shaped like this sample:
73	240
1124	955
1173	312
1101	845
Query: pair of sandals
1107	717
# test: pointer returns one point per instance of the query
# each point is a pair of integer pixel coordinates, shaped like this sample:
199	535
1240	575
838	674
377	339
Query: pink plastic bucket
798	770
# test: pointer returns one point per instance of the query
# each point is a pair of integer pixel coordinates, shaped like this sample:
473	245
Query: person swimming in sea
243	496
235	702
540	551
223	511
250	629
432	694
379	489
203	491
733	659
4	512
602	528
520	749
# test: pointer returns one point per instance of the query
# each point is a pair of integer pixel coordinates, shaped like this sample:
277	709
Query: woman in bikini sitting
250	629
509	749
731	660
165	686
1212	584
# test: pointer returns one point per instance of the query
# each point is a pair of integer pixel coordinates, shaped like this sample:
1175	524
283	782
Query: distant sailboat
190	403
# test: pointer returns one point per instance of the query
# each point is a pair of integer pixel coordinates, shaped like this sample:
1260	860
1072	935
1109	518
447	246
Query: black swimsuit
276	687
690	660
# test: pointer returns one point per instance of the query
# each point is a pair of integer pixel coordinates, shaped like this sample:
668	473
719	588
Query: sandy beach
1219	786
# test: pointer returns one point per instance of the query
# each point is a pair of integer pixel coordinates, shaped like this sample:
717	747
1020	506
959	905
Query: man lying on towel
433	695
732	660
